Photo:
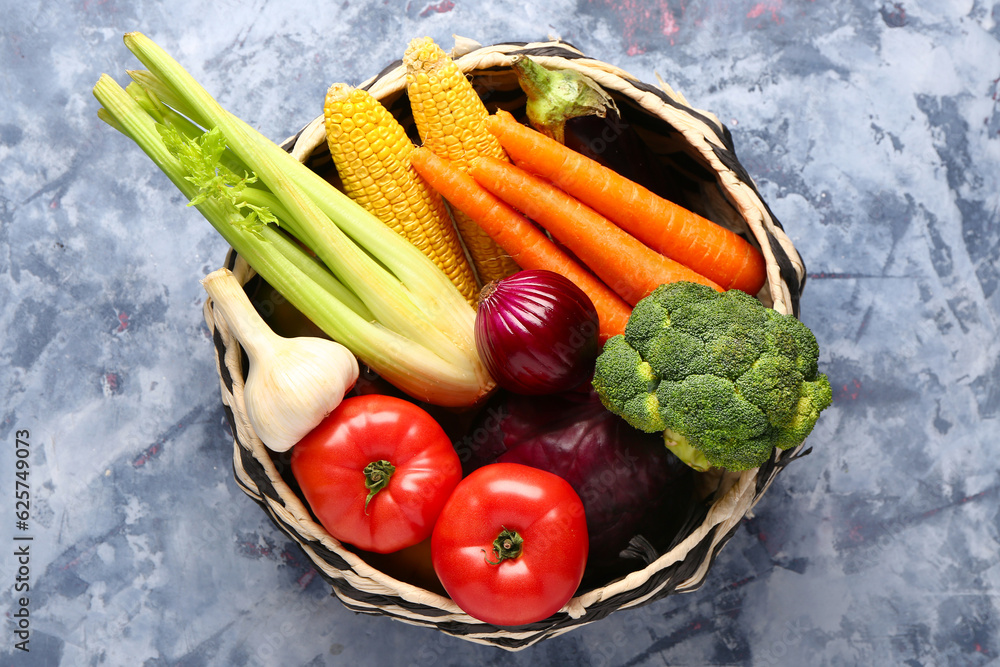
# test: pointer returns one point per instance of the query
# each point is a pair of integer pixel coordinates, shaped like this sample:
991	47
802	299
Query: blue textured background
873	131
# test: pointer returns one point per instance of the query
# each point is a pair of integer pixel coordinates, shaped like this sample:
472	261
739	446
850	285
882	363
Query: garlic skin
289	394
292	383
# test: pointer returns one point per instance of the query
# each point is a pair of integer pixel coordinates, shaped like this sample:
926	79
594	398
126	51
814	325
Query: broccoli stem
685	451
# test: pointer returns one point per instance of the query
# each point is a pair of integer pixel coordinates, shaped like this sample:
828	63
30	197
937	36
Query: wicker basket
681	135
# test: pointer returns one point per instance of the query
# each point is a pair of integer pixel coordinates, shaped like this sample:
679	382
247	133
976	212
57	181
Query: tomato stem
377	474
507	545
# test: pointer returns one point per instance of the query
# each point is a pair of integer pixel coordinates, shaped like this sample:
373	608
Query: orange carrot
527	245
700	244
624	263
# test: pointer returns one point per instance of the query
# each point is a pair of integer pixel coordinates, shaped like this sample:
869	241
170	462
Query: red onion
536	332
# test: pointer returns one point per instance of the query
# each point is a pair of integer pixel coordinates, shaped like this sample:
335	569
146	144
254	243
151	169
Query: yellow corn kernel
371	151
451	120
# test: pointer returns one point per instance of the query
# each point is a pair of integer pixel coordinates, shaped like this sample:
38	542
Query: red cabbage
629	483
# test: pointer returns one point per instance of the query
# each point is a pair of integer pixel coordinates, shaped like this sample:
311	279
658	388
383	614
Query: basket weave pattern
729	197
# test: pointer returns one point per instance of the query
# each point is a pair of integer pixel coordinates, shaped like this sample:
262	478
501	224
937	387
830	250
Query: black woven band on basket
728	196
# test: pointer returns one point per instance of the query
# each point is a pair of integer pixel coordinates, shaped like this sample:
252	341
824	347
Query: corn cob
451	120
370	150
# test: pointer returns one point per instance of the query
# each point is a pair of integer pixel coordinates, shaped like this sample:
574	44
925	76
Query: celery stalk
426	285
315	271
149	100
454	378
389	299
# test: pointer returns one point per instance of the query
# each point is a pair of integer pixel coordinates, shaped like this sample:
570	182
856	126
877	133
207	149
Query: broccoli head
725	378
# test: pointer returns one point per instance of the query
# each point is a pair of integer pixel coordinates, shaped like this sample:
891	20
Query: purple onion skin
536	332
629	483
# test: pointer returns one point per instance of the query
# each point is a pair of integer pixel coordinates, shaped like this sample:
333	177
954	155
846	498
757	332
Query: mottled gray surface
873	131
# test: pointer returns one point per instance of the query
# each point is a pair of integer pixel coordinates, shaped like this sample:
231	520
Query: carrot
527	245
624	263
700	244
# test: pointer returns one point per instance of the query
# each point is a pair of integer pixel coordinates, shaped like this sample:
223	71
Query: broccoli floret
626	380
724	378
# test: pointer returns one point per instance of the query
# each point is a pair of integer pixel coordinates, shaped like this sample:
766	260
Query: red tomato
376	472
511	544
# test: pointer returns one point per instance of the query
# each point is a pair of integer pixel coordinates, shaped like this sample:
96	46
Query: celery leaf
201	158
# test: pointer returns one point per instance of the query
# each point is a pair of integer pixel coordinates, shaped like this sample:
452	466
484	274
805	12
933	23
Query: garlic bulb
292	383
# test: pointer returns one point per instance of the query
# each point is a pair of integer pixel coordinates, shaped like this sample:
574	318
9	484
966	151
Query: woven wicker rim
683	568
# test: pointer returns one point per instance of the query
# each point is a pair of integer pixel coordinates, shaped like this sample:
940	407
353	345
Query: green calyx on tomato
377	476
508	545
535	523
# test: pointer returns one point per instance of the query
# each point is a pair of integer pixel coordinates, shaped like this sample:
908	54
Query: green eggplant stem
555	96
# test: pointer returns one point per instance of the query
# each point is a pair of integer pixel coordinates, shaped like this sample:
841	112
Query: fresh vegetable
723	377
451	120
574	110
292	383
536	332
555	96
696	242
510	545
377	472
529	247
404	318
628	482
628	267
370	150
